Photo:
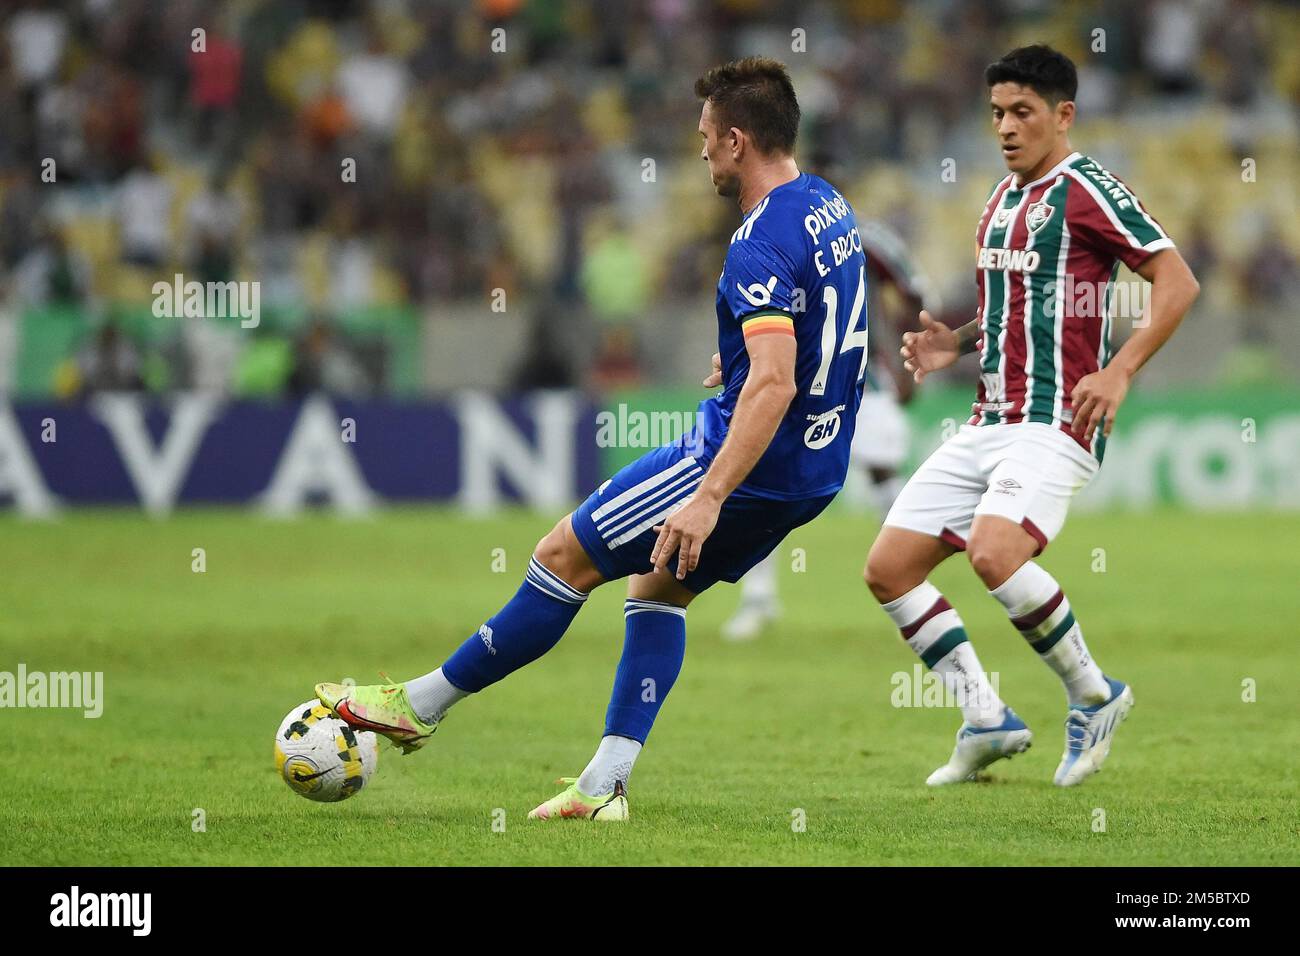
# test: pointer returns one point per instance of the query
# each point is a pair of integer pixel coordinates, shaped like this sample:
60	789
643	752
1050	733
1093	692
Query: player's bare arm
767	392
1098	396
968	337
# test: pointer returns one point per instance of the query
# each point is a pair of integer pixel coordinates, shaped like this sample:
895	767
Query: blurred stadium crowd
542	186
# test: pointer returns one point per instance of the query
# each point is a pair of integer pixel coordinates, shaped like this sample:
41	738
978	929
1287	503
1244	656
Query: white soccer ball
320	756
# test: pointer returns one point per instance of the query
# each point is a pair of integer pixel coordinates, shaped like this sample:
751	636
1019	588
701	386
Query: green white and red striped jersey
1049	251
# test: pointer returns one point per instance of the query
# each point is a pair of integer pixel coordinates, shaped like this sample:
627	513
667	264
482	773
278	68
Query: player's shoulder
1098	186
998	189
812	196
790	215
1082	163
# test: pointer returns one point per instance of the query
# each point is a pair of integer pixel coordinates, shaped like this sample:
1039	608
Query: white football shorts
1027	472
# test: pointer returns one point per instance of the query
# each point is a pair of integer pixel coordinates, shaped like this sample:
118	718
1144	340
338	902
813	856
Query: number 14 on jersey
854	337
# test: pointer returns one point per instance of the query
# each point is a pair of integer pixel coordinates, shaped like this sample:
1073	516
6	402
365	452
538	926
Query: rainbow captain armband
766	322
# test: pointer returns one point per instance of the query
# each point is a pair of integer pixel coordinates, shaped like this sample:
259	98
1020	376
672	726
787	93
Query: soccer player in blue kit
767	455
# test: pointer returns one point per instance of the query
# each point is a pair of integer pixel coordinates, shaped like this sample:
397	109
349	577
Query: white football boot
977	747
1089	732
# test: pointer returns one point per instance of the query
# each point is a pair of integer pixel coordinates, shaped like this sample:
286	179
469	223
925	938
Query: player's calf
934	631
529	625
990	730
654	646
1042	614
897	566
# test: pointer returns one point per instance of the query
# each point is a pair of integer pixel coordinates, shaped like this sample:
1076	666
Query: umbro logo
1007	486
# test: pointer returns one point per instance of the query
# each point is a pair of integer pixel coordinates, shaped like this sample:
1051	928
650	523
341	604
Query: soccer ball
320	756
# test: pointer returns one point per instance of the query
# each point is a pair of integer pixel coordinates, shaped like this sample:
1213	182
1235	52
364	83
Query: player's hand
1097	397
685	532
715	377
929	350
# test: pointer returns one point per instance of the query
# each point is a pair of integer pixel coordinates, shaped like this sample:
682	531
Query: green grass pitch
200	667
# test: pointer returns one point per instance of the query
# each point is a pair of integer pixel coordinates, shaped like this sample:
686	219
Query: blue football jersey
795	265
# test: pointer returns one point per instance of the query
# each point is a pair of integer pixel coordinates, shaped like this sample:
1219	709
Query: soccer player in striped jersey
768	455
1049	244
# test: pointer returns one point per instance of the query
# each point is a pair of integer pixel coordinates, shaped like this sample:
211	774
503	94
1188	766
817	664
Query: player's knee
555	551
560	552
882	576
991	562
550	549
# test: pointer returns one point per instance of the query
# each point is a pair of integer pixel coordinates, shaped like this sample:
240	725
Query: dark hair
754	94
1048	72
